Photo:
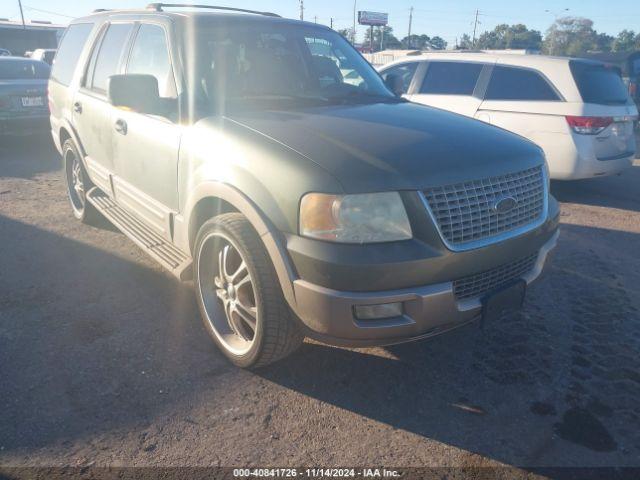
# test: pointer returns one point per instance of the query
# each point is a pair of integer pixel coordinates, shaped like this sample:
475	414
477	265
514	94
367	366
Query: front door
146	146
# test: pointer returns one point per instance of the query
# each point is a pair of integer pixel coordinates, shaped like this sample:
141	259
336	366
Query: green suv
267	161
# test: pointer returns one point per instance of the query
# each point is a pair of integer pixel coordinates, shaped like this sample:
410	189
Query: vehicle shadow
619	191
25	157
553	385
91	342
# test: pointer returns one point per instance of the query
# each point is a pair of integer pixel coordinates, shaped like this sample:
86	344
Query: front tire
78	184
239	295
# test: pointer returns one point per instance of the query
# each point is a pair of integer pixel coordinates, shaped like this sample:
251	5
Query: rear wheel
239	296
78	184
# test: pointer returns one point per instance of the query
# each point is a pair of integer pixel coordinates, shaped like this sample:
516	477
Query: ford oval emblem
505	205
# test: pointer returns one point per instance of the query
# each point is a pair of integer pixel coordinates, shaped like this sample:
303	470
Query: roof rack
158	8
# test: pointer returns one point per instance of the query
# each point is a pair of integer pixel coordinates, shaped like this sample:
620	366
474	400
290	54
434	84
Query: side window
404	71
150	55
509	83
451	78
109	55
70	48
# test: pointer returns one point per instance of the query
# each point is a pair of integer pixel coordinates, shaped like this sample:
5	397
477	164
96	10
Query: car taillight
589	125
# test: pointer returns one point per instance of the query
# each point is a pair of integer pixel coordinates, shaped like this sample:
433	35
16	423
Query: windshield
253	65
23	69
599	84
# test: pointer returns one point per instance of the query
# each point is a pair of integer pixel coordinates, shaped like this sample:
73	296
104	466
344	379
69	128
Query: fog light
376	312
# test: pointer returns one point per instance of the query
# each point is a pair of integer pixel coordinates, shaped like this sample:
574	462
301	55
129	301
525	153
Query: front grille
465	212
480	283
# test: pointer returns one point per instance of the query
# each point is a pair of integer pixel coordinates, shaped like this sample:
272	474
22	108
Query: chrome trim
496	238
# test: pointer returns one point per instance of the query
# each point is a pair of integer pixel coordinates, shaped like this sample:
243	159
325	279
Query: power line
47	11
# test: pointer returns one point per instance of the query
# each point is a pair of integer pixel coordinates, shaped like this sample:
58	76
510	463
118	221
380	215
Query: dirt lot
103	359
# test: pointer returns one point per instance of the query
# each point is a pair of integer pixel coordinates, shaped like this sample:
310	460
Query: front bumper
427	311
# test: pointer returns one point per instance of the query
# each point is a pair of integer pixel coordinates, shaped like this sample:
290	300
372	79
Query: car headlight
359	218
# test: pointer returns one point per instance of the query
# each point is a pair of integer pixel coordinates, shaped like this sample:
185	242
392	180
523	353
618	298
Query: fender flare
66	125
270	236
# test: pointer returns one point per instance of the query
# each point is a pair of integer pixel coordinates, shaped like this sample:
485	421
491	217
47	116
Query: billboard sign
375	19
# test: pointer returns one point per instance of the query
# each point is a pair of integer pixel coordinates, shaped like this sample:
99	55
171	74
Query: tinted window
518	84
451	78
23	69
150	55
251	66
404	71
70	48
110	54
599	84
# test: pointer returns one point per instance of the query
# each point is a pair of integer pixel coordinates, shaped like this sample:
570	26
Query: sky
446	19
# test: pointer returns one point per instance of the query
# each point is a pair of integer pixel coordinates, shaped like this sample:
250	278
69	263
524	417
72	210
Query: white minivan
578	111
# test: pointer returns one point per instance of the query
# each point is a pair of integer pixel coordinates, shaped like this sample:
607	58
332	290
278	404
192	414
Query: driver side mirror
395	84
138	92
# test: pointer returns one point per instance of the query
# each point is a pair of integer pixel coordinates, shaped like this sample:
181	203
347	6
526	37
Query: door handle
121	126
77	107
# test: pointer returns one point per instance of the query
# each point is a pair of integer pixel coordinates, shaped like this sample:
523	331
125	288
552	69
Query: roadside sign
377	19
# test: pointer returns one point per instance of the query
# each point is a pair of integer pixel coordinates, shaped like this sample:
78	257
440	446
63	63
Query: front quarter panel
270	175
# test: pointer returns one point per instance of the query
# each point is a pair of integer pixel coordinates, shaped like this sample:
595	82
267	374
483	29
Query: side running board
168	255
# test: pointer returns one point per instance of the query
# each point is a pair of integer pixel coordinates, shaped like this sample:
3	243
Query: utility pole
475	26
381	37
409	34
301	9
353	32
315	19
22	15
331	23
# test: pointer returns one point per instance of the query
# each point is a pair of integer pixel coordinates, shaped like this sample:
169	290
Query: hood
398	146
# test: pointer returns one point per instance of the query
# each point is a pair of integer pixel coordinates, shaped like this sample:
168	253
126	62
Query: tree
571	36
510	36
626	41
465	42
388	41
438	43
347	33
415	42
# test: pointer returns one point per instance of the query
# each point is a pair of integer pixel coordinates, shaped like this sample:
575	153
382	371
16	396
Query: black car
23	96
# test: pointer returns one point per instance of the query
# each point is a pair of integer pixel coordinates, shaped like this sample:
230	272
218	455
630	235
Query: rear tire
239	295
78	184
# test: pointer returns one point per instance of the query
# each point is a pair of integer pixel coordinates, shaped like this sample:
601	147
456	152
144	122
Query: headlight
361	218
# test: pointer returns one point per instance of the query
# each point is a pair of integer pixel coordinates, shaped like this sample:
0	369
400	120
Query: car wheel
239	295
78	184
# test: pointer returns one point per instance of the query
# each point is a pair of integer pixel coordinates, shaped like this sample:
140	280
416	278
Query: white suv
578	111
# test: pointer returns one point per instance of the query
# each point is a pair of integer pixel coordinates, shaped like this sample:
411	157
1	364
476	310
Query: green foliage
388	41
423	42
510	36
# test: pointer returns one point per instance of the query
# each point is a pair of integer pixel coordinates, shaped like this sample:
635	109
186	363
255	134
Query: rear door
606	97
91	110
450	85
146	146
523	101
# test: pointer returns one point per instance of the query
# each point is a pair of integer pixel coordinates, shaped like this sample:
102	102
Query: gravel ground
103	359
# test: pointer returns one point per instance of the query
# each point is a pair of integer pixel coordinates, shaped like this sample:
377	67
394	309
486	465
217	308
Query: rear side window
23	70
110	55
150	55
509	83
451	78
599	84
69	51
405	71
